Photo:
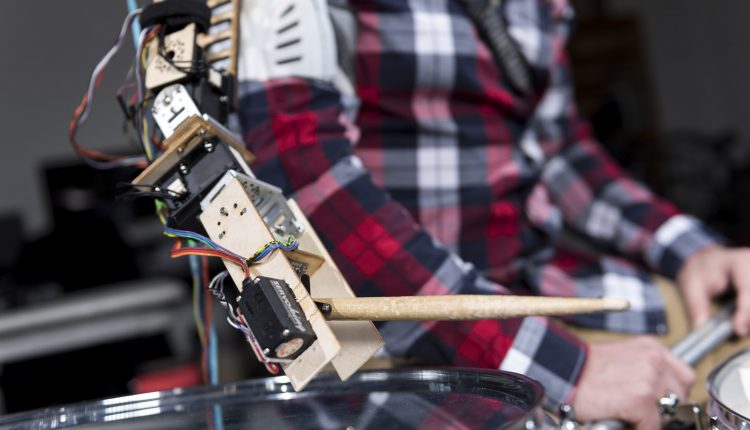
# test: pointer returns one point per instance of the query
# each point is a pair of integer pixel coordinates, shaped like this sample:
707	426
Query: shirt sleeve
599	200
303	142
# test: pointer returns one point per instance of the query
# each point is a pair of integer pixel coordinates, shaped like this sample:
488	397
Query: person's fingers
678	377
697	300
741	280
650	419
685	373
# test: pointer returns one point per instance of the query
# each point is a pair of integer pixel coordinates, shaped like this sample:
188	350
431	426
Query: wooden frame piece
232	221
188	135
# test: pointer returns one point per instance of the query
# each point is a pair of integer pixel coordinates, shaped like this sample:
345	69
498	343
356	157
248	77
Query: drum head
729	385
393	399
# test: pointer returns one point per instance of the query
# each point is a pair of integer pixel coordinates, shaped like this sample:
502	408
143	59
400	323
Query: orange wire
206	252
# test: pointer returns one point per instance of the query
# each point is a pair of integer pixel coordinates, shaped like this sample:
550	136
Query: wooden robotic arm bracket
232	220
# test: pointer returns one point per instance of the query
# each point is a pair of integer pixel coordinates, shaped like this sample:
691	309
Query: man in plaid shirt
425	172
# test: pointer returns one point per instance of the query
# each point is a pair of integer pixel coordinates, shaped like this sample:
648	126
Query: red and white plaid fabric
448	182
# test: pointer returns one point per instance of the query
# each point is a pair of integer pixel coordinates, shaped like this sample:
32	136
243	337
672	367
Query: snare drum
729	392
391	399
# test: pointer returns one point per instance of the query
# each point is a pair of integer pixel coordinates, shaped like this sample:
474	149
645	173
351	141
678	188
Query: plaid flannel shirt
448	182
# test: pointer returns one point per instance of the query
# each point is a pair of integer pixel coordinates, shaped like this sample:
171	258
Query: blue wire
192	235
135	26
213	356
218	417
274	246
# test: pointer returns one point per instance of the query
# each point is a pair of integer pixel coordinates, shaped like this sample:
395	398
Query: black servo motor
275	318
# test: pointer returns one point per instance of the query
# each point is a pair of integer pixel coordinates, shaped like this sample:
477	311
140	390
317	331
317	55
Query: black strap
487	18
177	14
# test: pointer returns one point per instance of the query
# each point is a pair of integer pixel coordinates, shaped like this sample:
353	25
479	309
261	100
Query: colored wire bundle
267	249
173	232
213	249
94	158
206	252
202	312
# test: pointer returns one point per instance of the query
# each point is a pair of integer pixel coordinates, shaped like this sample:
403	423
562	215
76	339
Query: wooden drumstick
461	307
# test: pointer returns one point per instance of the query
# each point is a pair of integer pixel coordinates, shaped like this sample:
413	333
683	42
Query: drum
393	399
729	393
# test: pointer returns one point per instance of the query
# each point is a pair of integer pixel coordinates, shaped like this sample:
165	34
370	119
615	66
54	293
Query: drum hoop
710	385
492	380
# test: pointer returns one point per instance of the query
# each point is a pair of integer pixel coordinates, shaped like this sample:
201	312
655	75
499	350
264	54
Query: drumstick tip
612	304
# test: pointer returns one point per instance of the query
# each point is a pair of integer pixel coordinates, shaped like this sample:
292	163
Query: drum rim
459	375
710	384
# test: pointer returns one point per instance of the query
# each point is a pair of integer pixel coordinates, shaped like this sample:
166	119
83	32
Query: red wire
207	312
208	252
73	127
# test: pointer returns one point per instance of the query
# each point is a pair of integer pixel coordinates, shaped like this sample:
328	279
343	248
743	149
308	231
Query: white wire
125	161
104	61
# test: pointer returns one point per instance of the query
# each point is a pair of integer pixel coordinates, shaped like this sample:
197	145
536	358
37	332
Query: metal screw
243	211
286	332
208	146
202	132
325	308
167	100
223	211
668	403
266	351
713	422
184	169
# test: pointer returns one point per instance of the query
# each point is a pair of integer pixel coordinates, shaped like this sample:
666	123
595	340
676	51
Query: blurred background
86	284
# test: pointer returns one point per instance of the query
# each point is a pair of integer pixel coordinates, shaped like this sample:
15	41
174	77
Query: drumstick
461	307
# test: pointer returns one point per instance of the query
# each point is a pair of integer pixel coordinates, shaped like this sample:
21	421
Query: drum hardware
691	349
568	418
668	404
728	386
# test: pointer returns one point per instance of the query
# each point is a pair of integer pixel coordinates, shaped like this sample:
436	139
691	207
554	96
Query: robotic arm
206	192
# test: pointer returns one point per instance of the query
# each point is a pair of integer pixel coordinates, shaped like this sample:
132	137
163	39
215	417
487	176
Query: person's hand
626	379
707	274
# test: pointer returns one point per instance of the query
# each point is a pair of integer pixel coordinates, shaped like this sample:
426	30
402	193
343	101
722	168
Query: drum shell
719	407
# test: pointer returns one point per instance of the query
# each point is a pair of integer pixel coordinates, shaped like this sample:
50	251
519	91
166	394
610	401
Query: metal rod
705	338
461	307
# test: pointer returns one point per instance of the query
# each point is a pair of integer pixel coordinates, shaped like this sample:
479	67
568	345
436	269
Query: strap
487	18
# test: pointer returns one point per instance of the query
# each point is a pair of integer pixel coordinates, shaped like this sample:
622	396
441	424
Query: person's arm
304	144
596	198
600	201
